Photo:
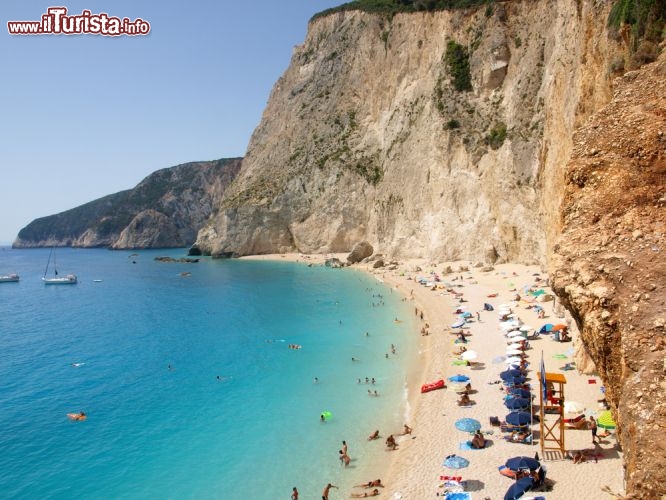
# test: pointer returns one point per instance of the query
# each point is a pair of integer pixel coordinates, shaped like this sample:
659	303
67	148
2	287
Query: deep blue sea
150	344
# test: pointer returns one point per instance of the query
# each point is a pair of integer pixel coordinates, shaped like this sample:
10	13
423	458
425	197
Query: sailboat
69	279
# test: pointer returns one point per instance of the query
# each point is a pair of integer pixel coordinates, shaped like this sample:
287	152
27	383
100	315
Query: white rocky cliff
365	136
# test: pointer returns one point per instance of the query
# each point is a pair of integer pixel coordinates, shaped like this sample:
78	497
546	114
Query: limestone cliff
166	209
373	133
609	266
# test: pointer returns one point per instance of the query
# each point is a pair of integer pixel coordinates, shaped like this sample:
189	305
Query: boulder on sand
361	250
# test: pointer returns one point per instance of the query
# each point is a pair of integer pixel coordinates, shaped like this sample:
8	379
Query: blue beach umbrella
521	393
468	425
518	463
509	374
518	418
459	378
517	403
466	315
455	462
518	489
514	381
546	328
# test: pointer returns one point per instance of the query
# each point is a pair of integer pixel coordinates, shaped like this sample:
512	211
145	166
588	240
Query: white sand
416	465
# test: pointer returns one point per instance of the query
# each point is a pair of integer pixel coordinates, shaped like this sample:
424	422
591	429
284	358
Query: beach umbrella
605	420
510	374
514	352
546	328
513	360
517	403
510	325
519	463
515	333
558	327
468	355
468	425
455	462
515	343
459	378
573	407
458	324
525	328
518	418
519	488
466	315
514	381
521	393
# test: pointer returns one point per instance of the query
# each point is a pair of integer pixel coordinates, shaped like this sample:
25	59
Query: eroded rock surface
609	266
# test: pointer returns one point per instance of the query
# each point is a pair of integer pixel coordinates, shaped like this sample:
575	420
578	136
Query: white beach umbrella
509	325
514	352
573	407
514	345
513	360
515	333
526	328
469	355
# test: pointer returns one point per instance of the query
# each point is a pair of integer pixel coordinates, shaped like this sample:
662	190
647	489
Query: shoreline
414	469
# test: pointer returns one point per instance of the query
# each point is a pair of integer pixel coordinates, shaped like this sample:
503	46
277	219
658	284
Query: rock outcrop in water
166	209
609	267
437	134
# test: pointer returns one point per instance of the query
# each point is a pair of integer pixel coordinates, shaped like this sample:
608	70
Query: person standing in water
294	493
327	489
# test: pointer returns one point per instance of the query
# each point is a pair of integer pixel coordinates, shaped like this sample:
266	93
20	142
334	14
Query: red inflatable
432	386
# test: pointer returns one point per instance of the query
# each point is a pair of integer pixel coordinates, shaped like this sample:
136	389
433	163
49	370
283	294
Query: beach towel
467	445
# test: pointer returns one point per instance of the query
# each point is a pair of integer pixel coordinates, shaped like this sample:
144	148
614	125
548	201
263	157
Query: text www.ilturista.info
57	22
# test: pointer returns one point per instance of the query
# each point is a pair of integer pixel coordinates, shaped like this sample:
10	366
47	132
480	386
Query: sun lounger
576	423
506	427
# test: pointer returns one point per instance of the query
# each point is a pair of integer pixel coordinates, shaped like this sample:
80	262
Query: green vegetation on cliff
457	60
642	23
392	7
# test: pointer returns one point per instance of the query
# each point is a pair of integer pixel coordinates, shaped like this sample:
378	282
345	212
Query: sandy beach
415	469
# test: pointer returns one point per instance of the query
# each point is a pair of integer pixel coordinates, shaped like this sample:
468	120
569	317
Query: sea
199	380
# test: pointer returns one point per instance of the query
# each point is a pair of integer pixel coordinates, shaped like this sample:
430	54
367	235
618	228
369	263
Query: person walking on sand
327	489
294	493
593	428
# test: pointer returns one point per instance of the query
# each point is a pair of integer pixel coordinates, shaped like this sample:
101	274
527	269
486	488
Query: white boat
69	279
9	278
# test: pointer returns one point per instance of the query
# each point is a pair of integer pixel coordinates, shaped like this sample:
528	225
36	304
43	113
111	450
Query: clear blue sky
83	116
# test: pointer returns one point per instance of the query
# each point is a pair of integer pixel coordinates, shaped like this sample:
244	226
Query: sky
83	116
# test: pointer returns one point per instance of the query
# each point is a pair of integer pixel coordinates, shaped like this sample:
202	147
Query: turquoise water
179	432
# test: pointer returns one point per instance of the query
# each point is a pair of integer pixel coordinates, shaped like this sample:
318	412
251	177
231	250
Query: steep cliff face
166	209
609	266
372	133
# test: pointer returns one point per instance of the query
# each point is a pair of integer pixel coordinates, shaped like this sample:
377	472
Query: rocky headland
166	209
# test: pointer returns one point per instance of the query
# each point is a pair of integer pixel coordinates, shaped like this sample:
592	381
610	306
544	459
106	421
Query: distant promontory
165	210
